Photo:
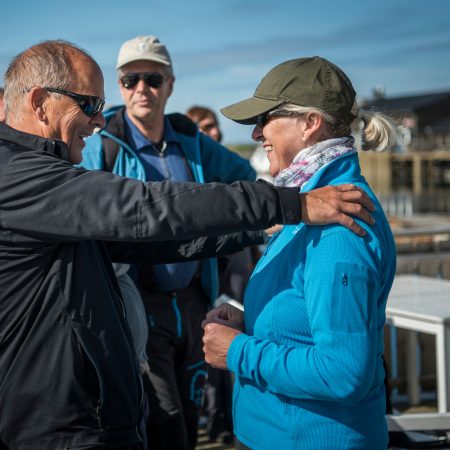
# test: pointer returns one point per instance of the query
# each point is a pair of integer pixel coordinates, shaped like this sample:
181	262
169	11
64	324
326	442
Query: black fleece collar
33	142
116	124
180	123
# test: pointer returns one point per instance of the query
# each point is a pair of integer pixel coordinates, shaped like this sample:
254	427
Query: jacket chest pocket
354	298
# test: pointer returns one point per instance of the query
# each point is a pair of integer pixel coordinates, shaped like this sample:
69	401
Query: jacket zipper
99	407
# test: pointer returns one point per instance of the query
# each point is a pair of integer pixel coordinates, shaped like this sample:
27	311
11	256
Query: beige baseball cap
147	48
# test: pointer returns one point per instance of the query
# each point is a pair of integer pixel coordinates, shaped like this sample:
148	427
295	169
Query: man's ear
36	101
171	82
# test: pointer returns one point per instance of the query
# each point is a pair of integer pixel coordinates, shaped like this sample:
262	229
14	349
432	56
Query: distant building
425	118
416	176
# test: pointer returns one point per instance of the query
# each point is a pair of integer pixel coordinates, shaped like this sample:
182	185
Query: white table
422	304
419	422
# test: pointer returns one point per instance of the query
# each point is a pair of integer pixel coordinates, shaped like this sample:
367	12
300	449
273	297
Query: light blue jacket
309	371
208	160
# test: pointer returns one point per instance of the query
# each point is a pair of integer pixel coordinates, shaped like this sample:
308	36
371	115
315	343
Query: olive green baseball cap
305	82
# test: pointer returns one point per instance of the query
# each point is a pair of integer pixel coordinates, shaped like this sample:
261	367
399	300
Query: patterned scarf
309	160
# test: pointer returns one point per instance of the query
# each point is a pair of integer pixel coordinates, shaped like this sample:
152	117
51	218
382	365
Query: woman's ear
313	124
37	103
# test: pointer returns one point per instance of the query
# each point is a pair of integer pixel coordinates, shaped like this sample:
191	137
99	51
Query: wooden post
417	173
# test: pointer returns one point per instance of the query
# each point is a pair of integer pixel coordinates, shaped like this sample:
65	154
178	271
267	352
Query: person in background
141	141
307	355
234	273
206	120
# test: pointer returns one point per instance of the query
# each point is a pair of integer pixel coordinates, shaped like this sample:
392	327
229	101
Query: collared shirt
167	163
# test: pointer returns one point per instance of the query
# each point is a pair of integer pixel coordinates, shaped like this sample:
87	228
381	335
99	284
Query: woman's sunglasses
89	104
263	119
151	79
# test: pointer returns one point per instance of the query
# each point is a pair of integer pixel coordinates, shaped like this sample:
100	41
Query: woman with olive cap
308	361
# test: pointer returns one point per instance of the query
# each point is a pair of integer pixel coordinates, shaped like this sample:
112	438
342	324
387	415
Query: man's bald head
49	63
55	90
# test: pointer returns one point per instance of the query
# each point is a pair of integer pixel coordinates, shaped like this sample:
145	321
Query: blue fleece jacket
208	160
309	372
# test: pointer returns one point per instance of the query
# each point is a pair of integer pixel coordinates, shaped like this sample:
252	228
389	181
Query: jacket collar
116	124
33	142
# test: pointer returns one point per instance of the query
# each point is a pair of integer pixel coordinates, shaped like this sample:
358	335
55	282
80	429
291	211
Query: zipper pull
161	147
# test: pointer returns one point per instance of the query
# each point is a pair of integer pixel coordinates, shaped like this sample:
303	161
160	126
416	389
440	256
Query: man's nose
99	120
141	86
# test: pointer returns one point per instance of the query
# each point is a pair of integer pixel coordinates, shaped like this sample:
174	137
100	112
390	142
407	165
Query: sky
222	48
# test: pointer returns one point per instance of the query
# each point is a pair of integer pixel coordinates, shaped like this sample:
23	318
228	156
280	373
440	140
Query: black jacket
68	374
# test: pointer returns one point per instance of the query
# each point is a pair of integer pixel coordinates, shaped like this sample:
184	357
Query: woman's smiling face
282	138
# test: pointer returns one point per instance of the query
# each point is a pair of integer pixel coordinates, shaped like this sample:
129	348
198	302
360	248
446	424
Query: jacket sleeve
165	252
341	291
46	198
221	164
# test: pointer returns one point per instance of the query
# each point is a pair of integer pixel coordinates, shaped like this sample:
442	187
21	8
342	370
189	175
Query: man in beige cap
140	141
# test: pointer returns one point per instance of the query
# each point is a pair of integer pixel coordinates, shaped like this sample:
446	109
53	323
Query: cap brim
246	111
142	58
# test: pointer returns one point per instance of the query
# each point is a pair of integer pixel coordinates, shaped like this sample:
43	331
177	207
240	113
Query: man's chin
142	112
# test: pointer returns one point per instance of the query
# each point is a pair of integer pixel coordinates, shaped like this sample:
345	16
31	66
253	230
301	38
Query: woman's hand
227	315
216	342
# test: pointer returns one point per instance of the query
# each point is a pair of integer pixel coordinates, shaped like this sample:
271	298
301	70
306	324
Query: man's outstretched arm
64	203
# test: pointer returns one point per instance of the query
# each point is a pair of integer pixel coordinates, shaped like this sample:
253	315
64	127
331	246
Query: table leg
412	368
443	368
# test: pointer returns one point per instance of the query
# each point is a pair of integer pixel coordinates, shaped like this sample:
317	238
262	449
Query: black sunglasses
151	79
89	104
262	119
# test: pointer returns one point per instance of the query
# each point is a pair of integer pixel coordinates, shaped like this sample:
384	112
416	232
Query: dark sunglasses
151	79
262	119
89	104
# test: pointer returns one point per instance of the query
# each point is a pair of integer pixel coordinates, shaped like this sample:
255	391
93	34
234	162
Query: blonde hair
378	131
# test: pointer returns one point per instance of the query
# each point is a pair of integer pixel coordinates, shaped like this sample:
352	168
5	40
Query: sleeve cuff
235	352
290	205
